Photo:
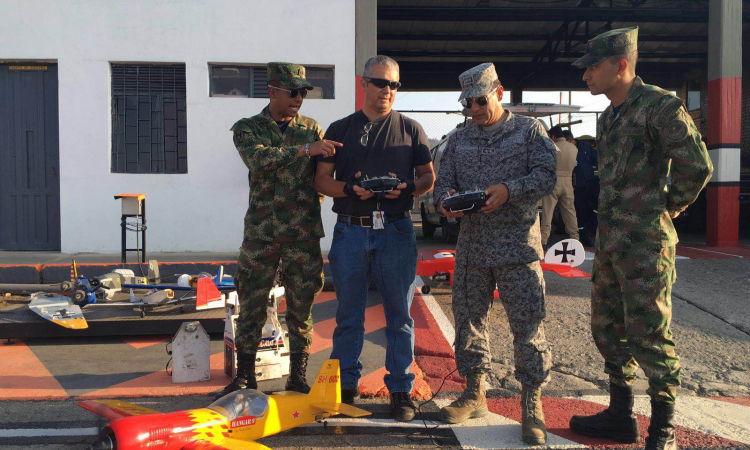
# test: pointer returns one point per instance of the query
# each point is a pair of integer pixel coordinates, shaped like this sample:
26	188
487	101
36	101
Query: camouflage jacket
518	154
284	205
651	162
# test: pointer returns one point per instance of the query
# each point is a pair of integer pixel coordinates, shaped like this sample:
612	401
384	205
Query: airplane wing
225	444
59	310
114	409
340	408
430	266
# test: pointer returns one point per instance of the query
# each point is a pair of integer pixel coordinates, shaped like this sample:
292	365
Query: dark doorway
29	157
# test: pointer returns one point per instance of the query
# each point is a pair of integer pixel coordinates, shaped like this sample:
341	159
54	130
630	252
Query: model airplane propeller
233	422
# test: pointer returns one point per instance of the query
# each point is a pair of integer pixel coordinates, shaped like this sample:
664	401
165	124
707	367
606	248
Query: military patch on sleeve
668	111
675	131
237	137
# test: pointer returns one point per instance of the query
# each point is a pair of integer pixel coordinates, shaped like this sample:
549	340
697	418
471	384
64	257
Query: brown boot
472	403
532	423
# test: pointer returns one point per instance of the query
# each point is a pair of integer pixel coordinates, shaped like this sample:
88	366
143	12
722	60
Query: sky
436	125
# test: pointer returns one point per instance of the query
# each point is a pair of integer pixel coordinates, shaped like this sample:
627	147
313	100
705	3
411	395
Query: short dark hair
631	58
568	135
556	132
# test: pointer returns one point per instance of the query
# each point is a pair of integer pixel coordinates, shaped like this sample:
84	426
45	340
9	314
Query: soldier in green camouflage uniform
652	166
282	222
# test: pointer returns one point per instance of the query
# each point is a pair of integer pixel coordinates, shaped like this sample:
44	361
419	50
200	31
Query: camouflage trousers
522	295
631	312
302	278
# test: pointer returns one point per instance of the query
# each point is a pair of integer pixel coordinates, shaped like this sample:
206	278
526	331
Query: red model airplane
232	422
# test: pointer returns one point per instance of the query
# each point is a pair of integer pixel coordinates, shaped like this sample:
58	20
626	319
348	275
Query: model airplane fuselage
234	421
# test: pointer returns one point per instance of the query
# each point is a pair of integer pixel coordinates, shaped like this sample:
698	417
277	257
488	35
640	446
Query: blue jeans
389	256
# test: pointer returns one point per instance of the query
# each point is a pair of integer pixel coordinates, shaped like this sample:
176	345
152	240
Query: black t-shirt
283	125
396	144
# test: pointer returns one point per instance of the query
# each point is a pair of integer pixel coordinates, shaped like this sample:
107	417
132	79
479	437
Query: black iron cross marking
565	252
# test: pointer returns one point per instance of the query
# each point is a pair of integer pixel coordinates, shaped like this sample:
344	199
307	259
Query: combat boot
472	403
661	431
245	378
297	370
533	428
616	422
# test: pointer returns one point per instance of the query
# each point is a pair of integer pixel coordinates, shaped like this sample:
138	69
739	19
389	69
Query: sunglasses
481	101
382	83
366	137
293	93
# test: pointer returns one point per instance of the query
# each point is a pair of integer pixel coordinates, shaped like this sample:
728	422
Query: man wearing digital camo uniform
652	165
511	158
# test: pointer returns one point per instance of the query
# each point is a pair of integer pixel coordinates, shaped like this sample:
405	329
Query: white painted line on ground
590	256
437	313
712	251
708	416
496	431
44	432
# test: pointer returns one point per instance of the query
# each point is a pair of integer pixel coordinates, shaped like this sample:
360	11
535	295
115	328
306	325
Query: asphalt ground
711	325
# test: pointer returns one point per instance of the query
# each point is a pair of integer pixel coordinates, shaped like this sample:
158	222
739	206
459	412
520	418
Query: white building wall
202	210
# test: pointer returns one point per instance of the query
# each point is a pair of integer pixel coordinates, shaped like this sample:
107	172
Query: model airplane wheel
95	284
79	296
426	289
66	286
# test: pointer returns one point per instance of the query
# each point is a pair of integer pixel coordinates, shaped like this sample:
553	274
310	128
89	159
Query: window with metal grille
251	81
149	119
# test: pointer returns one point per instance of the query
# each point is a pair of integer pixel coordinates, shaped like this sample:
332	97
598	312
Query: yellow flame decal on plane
210	424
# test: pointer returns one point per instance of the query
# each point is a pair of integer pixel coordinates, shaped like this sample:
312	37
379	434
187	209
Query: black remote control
379	184
469	201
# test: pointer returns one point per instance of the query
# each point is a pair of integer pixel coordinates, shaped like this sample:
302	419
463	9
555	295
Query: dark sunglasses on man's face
381	83
481	101
293	93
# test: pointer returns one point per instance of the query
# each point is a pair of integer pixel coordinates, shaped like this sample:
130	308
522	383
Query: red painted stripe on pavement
428	337
743	401
323	331
140	342
558	411
159	384
24	377
320	298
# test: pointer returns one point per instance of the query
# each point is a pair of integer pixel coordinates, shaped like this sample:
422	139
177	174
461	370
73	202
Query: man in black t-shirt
374	235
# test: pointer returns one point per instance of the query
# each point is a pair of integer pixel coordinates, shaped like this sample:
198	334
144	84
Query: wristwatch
307	150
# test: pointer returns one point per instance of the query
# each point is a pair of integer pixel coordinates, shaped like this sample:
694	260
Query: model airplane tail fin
207	295
327	386
153	272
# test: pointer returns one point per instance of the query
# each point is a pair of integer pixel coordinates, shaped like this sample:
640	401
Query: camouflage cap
477	81
612	43
292	75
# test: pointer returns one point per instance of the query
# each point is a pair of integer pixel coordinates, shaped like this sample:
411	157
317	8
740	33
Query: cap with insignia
292	75
612	43
478	81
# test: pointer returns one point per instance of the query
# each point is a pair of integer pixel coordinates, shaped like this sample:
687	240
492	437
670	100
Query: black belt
366	221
